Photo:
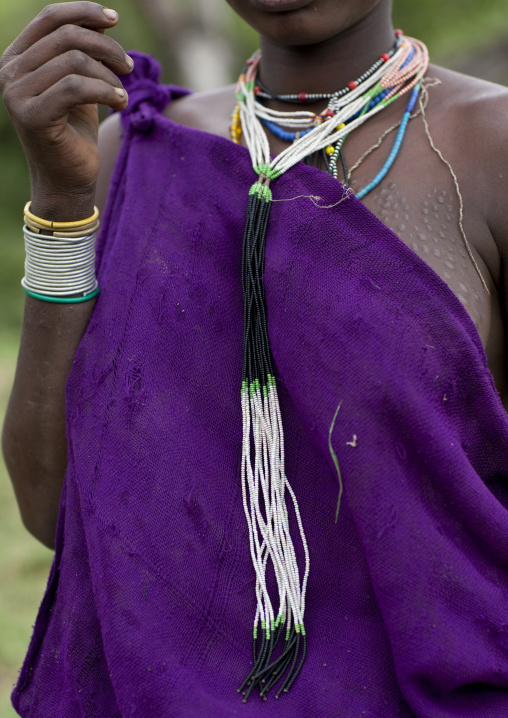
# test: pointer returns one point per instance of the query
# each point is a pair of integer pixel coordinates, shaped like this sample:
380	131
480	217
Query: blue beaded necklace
396	146
284	134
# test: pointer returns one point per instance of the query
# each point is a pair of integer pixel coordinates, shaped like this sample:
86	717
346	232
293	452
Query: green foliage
452	27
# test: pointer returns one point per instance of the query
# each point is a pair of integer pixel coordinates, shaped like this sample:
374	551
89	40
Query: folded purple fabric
150	602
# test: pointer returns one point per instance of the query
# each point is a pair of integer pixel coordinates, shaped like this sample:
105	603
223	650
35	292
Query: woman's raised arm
51	79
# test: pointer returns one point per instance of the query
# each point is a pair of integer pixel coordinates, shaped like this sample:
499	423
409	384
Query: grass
24	563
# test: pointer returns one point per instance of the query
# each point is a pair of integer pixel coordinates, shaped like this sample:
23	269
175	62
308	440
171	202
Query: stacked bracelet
60	259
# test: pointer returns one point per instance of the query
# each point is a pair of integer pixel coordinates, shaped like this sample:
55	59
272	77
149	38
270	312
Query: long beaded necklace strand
264	483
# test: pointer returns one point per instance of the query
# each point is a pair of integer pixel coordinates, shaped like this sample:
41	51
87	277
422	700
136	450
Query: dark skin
310	45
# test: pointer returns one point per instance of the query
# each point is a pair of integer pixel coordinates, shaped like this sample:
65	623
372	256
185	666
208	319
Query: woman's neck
329	65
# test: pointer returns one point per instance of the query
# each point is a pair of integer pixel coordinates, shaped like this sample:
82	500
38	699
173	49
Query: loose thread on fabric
423	105
315	199
312	197
336	462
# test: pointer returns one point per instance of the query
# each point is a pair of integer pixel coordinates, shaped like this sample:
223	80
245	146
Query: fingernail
121	93
110	14
129	60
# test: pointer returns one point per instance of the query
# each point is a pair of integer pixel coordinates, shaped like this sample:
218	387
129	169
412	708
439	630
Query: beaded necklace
304	97
265	487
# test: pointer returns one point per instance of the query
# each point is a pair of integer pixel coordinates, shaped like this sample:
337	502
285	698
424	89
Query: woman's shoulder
469	122
468	104
207	111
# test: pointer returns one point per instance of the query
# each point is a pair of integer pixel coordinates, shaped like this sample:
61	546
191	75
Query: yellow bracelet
77	232
60	225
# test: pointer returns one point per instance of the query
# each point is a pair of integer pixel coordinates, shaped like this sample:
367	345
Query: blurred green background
201	44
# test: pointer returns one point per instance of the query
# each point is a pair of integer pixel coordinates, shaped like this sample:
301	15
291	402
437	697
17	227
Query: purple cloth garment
150	603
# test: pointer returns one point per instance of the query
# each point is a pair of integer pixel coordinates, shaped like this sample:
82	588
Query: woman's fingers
72	37
73	62
85	14
69	92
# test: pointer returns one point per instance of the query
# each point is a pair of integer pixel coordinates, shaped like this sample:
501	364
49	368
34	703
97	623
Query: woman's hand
51	79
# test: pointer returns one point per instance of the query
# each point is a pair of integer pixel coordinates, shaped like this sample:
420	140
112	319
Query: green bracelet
62	300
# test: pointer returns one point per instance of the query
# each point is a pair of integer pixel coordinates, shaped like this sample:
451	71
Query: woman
376	340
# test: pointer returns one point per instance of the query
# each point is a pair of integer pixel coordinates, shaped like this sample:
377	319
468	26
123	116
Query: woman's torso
418	200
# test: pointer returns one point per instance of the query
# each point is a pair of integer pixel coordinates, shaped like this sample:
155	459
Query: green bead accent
369	95
265	391
373	92
389	100
249	86
267	171
262	191
272	625
272	173
288	632
255	632
254	387
297	627
302	629
263	625
271	382
240	96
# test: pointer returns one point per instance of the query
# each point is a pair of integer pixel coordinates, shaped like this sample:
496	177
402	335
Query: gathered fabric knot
147	97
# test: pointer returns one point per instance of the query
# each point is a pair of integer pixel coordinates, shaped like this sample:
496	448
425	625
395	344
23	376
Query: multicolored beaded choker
279	635
330	155
306	98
